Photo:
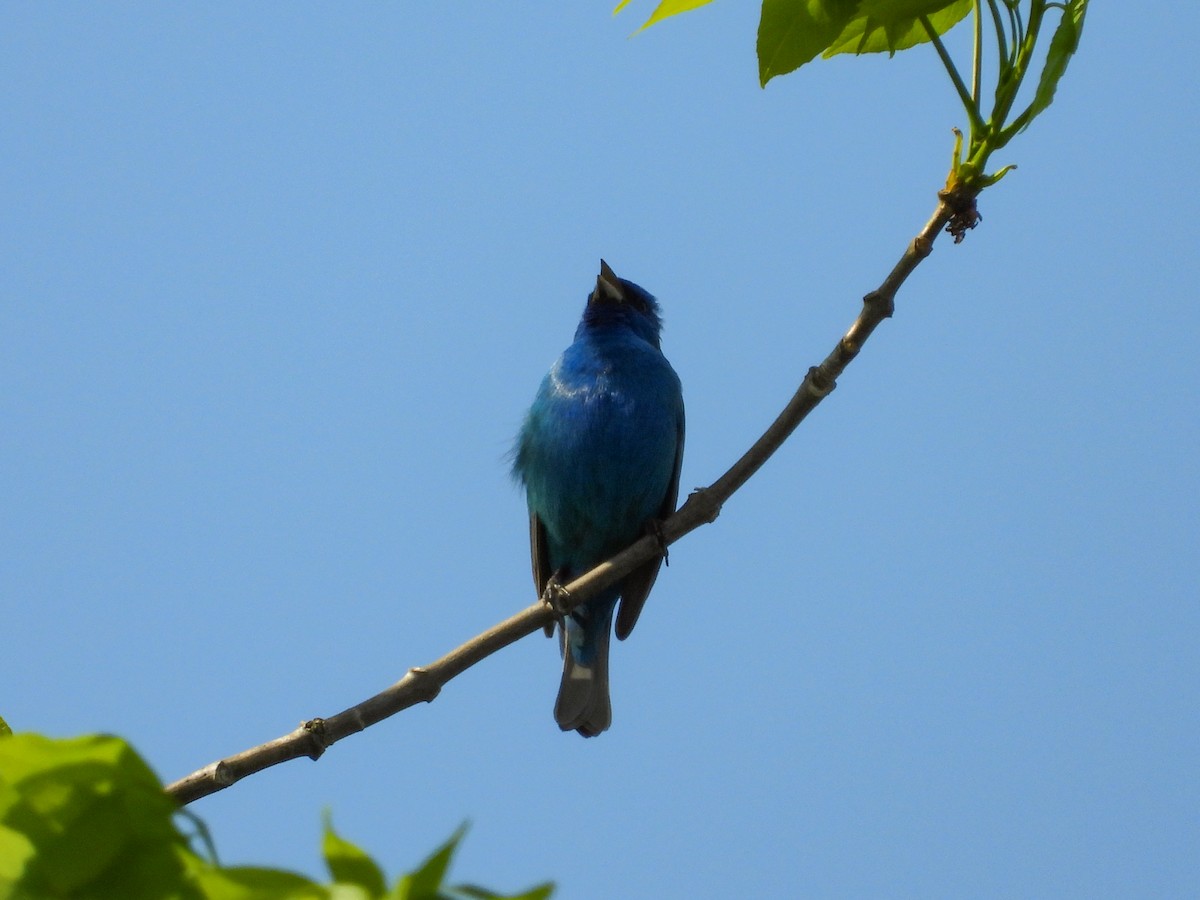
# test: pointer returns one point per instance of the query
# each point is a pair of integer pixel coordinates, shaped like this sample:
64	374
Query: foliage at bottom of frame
87	818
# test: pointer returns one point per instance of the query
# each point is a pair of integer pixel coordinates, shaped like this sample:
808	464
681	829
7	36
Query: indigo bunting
599	455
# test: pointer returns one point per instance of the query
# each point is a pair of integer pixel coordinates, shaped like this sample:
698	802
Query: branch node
221	774
818	383
317	743
883	304
700	497
426	687
964	213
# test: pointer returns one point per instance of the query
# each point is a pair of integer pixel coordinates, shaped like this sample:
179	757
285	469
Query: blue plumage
599	457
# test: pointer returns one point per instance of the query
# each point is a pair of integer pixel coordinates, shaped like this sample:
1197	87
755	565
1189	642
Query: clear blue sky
279	282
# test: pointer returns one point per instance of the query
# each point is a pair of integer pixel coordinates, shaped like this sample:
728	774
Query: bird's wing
637	584
539	555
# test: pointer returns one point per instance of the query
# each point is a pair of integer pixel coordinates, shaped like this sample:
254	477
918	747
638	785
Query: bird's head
617	303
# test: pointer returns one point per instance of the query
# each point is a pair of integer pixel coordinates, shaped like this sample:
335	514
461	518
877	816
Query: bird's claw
655	528
557	597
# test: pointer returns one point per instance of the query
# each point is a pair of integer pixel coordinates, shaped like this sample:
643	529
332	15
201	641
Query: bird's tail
583	703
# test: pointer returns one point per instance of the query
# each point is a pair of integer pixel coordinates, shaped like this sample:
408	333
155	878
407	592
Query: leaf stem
1015	24
1006	91
977	54
1001	38
978	128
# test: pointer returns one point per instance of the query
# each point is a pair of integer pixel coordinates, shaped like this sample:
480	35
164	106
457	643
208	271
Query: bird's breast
600	450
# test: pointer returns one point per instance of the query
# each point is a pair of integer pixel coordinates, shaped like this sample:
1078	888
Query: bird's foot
557	597
655	529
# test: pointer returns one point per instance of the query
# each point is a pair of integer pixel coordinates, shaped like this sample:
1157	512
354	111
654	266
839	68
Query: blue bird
599	455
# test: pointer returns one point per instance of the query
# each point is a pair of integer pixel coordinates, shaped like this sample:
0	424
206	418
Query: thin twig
423	684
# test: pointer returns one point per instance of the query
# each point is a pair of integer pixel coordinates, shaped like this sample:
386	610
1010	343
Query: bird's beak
608	286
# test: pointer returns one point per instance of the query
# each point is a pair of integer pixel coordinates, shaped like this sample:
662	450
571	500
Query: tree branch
424	683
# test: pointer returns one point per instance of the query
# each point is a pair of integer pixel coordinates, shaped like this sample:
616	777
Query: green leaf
87	818
541	892
202	835
5	731
94	815
249	883
16	851
347	863
1062	47
425	883
792	32
885	26
665	9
